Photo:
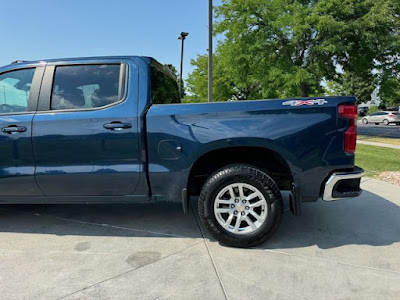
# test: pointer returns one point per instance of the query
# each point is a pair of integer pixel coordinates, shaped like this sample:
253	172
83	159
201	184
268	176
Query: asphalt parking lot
338	250
389	131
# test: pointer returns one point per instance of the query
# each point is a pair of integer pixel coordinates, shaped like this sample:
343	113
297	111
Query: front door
85	134
18	99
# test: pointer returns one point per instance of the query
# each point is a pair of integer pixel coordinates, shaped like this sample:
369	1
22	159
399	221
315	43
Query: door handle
117	126
12	129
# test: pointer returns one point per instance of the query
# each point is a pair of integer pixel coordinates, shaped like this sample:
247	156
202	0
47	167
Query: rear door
85	134
374	117
19	89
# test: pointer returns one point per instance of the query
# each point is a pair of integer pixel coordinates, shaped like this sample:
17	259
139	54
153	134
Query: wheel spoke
224	201
258	203
241	192
251	223
223	210
252	196
237	224
255	215
231	193
229	220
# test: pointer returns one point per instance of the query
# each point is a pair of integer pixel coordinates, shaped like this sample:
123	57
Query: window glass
164	86
87	86
15	87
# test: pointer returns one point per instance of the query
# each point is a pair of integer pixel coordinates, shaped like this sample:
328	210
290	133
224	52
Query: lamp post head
183	35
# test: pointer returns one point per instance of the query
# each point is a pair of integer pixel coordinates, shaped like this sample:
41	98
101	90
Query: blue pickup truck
113	130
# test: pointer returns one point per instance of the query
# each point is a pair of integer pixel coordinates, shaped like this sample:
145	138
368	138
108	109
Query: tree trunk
305	89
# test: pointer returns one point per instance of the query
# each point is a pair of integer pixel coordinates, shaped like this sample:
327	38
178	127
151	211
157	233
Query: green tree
197	82
353	84
389	91
286	48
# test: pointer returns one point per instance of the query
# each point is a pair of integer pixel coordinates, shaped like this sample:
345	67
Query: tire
376	123
364	121
385	122
265	214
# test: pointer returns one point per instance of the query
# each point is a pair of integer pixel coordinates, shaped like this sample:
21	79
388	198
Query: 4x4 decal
305	102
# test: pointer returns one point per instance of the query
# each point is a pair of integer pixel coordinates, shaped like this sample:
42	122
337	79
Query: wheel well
267	160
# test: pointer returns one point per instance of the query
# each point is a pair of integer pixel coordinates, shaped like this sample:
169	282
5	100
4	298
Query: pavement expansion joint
210	255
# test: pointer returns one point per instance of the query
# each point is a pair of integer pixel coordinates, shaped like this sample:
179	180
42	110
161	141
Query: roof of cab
147	59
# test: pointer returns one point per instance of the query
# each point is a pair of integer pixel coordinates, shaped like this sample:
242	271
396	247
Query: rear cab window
89	86
164	85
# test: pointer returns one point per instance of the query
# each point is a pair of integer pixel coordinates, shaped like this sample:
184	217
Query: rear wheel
385	122
364	121
240	205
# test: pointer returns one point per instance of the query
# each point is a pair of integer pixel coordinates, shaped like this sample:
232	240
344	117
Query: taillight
391	116
350	136
350	139
348	111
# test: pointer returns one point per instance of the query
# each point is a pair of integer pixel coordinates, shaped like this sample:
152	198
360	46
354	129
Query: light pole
182	37
210	49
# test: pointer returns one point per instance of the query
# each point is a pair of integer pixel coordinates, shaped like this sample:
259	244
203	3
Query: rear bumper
341	185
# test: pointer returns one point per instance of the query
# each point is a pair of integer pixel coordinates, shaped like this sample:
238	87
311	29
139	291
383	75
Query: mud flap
295	200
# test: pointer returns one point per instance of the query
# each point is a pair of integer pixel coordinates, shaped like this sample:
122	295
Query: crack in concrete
119	227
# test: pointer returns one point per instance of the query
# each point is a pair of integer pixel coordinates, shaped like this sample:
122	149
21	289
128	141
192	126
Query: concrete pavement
348	250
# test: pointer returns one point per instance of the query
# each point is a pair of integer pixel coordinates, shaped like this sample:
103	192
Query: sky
44	29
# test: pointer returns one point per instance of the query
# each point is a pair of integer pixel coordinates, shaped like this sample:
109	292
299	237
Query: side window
15	87
88	86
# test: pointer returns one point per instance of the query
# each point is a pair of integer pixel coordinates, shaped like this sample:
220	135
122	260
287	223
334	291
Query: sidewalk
378	144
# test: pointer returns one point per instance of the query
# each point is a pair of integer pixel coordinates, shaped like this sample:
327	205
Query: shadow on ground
127	220
367	220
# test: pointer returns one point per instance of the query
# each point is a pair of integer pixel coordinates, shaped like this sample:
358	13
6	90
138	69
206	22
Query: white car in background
384	117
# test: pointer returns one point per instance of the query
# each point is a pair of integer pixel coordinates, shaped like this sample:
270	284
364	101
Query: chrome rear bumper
343	185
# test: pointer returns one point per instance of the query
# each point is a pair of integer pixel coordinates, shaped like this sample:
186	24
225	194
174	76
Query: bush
373	109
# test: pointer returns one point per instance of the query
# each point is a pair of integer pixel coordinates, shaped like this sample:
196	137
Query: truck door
85	134
19	89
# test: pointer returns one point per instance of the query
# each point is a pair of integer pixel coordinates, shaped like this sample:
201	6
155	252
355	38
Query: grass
375	160
379	139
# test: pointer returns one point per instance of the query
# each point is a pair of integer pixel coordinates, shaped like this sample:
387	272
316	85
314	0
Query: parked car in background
384	117
362	110
393	108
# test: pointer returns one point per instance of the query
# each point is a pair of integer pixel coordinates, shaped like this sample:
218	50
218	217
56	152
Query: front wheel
365	121
240	205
